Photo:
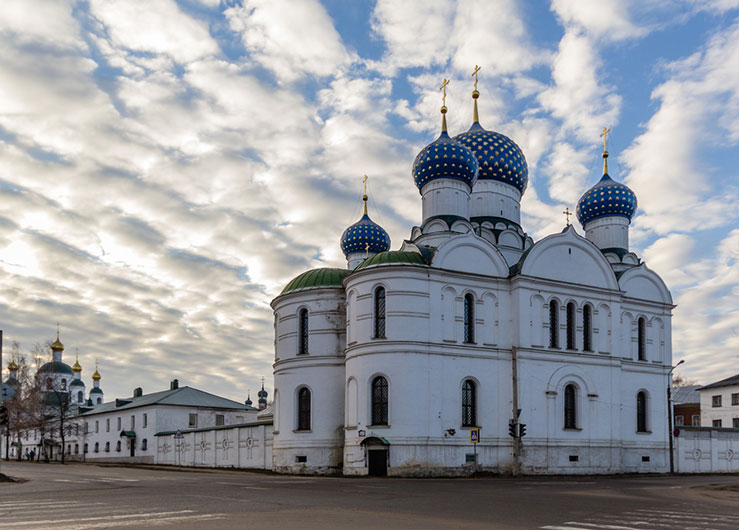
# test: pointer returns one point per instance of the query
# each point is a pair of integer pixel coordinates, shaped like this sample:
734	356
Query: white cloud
156	27
698	104
607	19
290	37
40	21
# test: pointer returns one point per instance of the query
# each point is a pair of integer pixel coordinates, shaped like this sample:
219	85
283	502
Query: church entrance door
377	457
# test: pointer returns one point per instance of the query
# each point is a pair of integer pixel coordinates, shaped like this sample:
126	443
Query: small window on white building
716	401
87	428
143	444
107	447
696	420
119	424
97	447
133	422
679	420
97	427
735	399
118	446
193	421
99	401
717	423
219	419
735	423
64	384
146	421
107	425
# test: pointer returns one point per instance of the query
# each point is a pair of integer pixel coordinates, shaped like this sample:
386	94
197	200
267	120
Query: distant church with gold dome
552	355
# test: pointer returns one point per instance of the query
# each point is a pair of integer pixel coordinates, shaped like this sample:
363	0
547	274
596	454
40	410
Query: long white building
386	366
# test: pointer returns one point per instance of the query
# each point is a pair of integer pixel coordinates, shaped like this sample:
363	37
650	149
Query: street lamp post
669	415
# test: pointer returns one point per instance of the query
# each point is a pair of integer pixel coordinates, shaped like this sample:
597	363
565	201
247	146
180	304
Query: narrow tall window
587	328
64	384
641	329
571	325
469	318
380	313
469	399
570	407
553	324
303	332
80	396
641	412
379	401
304	409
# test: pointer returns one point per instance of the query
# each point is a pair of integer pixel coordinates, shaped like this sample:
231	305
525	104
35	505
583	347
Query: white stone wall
246	446
445	197
491	198
706	450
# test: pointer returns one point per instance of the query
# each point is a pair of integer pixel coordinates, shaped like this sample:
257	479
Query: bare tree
679	380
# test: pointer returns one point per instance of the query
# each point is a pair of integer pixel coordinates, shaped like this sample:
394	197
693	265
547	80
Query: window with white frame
716	401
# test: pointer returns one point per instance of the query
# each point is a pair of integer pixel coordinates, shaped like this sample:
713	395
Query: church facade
557	350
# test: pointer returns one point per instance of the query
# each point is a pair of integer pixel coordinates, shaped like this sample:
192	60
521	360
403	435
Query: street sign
178	435
475	435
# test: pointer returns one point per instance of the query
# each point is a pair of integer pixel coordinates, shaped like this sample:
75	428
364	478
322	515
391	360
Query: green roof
316	279
393	257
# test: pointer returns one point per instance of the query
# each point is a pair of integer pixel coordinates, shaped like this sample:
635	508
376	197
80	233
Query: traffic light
521	430
3	415
512	429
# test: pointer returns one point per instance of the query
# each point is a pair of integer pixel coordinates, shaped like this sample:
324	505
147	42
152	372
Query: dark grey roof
77	382
56	368
683	395
184	397
96	390
729	381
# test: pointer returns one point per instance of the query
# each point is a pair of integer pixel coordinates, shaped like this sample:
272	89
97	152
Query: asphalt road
81	497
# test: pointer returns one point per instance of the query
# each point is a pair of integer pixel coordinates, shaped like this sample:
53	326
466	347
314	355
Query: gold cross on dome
477	69
364	181
443	89
366	250
604	134
567	213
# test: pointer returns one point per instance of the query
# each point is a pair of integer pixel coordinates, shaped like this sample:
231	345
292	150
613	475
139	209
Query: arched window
641	412
553	324
118	446
380	313
571	325
85	449
48	383
570	407
469	404
107	447
379	401
143	444
97	447
469	318
64	384
99	401
303	332
587	328
76	449
80	396
304	409
641	330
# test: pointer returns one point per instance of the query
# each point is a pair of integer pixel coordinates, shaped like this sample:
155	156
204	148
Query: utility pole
1	382
669	415
516	412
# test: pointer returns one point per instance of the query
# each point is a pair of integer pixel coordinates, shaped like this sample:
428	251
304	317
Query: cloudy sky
167	166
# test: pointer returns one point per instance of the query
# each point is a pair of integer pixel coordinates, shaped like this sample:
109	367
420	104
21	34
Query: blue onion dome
445	158
364	236
607	198
498	156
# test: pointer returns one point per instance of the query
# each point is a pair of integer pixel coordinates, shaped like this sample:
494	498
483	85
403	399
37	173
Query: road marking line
606	526
564	528
154	522
83	519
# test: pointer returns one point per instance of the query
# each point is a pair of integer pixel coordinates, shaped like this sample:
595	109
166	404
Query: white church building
557	350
